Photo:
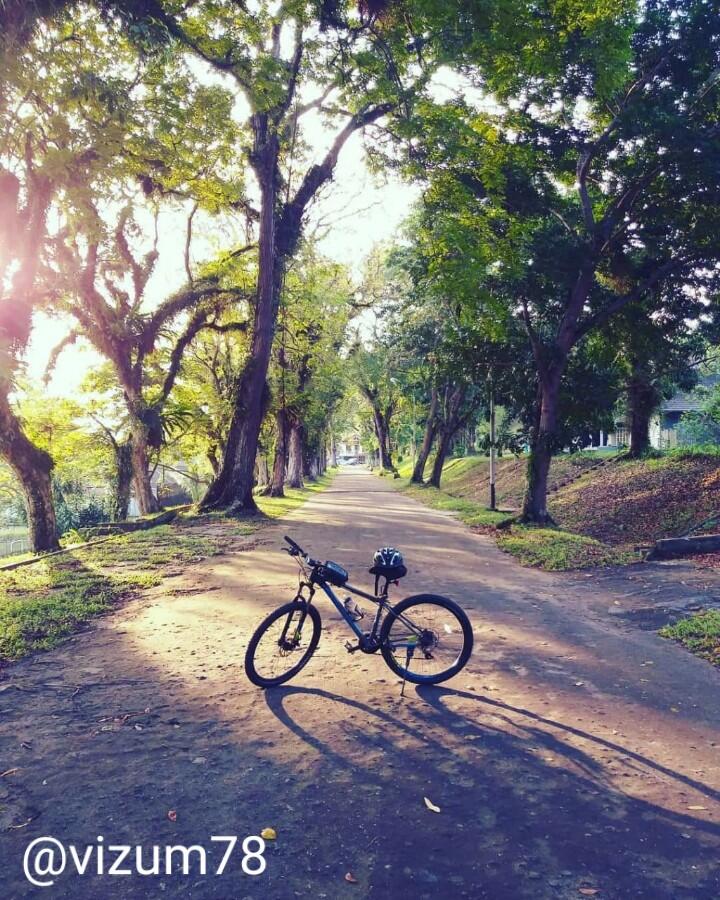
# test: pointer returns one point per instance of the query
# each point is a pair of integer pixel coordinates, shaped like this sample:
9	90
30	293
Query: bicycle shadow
515	794
433	695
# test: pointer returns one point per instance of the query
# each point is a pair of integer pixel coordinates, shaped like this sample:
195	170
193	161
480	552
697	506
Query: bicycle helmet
388	558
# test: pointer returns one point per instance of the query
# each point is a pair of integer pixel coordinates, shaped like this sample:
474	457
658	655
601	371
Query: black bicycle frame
381	600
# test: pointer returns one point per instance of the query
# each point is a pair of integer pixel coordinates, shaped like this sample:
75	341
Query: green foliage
555	550
700	634
703	427
565	192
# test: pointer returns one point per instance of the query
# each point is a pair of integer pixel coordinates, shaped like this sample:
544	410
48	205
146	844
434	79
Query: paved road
576	756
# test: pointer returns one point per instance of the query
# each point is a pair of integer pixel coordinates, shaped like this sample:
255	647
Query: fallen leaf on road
268	834
697	807
579	683
588	892
172	815
431	806
9	771
351	878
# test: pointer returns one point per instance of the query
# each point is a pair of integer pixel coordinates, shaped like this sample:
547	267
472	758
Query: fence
14	546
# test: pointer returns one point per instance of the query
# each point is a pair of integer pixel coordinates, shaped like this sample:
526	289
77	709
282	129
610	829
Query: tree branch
321	173
671	267
188	242
67	341
196	324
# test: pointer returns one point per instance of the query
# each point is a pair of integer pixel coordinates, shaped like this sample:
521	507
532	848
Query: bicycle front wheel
426	639
282	644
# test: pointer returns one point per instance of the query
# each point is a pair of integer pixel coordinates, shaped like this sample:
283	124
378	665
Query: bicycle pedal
351	648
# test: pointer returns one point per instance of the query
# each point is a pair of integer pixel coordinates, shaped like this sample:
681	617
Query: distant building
665	426
349	449
665	430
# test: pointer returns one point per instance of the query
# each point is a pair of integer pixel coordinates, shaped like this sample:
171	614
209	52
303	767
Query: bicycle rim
427	640
283	644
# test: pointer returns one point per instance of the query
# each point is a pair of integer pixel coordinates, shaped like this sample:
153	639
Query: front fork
297	631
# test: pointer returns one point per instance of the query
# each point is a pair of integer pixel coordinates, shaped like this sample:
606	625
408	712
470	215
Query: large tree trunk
295	455
262	473
333	451
428	438
311	454
233	487
146	499
123	482
443	448
541	451
282	426
642	399
382	432
33	468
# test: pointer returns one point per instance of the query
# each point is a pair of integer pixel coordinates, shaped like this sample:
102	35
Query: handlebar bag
333	573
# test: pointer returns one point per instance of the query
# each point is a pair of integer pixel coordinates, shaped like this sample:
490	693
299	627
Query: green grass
693	451
556	550
468	511
700	634
277	507
42	603
546	548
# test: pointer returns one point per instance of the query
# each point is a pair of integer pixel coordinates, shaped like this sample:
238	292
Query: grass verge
700	634
468	511
544	548
277	507
42	603
558	551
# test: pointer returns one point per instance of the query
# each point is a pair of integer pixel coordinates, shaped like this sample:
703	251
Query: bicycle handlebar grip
294	545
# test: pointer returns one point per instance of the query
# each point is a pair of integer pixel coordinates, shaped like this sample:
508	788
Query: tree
308	382
44	154
84	460
372	371
113	317
278	62
590	185
204	388
660	352
178	137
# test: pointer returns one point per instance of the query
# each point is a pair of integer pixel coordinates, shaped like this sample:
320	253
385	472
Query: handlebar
297	550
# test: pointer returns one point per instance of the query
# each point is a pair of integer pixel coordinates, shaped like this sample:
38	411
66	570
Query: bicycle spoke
282	645
433	633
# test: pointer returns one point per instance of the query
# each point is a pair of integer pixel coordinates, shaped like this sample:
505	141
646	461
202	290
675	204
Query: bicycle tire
287	610
427	600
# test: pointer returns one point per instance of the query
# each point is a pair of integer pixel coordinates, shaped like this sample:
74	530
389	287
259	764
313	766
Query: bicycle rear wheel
426	639
282	644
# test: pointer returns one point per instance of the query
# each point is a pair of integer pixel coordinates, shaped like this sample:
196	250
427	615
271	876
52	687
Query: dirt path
576	756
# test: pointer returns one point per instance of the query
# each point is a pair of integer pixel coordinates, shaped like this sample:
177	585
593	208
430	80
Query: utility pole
492	445
414	445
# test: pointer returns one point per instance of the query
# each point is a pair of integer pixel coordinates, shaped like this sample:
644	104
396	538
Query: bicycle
430	631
